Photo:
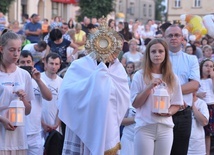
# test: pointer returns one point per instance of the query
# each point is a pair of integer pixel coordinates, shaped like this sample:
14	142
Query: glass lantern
16	113
161	101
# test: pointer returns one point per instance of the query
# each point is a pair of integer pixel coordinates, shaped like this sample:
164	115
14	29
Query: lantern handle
163	84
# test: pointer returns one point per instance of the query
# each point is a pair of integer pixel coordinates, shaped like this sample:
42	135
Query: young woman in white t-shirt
206	93
13	139
154	132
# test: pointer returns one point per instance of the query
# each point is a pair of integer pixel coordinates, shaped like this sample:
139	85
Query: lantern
16	112
160	99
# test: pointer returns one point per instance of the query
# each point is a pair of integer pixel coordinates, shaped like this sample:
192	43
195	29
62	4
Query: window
197	3
120	6
150	10
54	9
144	10
177	3
132	8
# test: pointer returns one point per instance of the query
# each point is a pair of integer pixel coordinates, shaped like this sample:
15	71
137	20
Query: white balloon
208	21
192	37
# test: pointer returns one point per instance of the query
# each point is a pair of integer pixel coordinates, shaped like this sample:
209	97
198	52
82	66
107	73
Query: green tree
4	5
159	9
95	8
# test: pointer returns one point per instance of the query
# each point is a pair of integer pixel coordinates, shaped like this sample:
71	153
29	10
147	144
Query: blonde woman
133	55
80	38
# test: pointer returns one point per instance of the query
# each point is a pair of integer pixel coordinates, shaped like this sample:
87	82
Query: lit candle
12	115
162	104
19	118
156	104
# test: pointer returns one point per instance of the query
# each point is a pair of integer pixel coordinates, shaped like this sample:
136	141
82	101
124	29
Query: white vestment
93	101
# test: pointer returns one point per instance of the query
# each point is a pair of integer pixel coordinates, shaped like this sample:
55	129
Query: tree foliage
4	5
159	9
94	8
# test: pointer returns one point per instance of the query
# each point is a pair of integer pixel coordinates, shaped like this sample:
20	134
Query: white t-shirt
34	126
128	131
197	138
147	34
13	140
144	115
50	108
186	67
206	85
136	58
37	56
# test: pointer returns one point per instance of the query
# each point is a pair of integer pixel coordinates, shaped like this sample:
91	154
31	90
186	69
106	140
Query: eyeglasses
176	35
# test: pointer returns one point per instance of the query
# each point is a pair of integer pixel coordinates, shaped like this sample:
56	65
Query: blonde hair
166	67
4	39
71	33
206	47
133	40
78	26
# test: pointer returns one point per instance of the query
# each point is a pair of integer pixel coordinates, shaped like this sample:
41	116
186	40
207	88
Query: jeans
182	130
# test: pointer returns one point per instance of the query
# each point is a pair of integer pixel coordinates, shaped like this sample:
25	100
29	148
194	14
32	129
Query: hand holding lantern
16	111
161	101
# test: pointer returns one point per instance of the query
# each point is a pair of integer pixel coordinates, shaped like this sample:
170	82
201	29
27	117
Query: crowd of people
105	107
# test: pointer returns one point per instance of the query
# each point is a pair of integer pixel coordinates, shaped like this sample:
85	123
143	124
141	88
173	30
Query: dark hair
201	66
203	40
64	23
53	55
55	34
33	15
120	23
26	53
146	41
193	48
5	30
45	19
72	25
109	22
80	55
133	64
149	20
91	26
25	15
42	44
164	26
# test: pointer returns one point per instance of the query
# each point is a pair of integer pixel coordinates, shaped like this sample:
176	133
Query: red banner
66	1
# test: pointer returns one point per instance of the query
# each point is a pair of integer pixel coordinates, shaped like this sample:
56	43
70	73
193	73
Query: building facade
130	9
175	8
45	8
136	9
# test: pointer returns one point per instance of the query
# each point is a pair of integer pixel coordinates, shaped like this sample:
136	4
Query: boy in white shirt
200	117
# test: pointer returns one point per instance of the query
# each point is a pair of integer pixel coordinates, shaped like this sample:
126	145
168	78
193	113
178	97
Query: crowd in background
42	37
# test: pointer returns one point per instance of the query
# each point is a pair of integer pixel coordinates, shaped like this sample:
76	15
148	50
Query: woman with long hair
127	35
154	131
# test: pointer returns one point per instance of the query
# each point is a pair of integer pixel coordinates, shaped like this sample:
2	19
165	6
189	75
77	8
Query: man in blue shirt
33	29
